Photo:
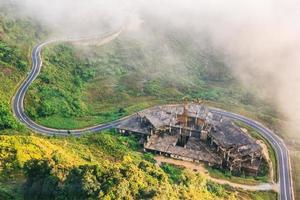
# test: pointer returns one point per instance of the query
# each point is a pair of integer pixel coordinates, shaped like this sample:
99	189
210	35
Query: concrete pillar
252	158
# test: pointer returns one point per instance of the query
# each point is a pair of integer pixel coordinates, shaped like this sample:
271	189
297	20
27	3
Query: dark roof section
160	116
134	124
227	134
194	150
157	117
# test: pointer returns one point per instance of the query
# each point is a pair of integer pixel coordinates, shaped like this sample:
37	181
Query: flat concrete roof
194	150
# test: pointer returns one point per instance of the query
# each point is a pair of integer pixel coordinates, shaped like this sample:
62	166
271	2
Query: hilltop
82	86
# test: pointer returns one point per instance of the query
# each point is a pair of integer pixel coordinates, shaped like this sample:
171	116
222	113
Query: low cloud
260	39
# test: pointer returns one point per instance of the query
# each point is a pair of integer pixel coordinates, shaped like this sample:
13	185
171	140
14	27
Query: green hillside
17	36
81	86
77	89
104	166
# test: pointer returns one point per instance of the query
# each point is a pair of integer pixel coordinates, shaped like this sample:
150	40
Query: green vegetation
10	60
7	121
63	98
174	172
10	57
77	89
88	167
215	188
227	175
258	195
14	59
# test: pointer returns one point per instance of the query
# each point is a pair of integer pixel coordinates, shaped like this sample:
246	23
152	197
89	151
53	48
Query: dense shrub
174	173
7	121
123	181
41	182
9	56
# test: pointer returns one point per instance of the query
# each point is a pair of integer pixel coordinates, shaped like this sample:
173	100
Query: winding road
285	182
282	154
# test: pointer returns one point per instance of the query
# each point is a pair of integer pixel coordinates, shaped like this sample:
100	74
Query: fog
259	38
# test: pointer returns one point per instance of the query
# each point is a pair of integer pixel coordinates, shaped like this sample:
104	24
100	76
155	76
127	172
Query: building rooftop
224	133
227	134
167	143
134	124
158	117
165	115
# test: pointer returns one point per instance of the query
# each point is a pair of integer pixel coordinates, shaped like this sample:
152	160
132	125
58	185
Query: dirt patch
6	71
198	167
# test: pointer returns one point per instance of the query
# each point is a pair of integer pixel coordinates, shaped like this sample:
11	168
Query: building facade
190	132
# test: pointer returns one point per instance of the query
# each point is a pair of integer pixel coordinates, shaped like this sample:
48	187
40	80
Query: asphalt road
18	109
285	184
18	100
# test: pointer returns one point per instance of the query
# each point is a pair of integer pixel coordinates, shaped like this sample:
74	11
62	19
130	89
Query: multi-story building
190	132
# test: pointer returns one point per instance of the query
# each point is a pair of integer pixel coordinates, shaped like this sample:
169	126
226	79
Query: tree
84	182
7	121
41	182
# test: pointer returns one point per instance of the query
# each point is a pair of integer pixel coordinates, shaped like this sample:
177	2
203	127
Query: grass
120	78
226	175
71	151
115	79
59	121
174	172
258	195
101	149
101	114
81	86
17	36
108	151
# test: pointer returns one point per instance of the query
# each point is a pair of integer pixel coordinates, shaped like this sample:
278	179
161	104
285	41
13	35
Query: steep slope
17	35
81	86
33	166
96	166
22	155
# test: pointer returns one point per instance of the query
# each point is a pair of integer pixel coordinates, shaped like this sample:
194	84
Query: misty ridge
258	40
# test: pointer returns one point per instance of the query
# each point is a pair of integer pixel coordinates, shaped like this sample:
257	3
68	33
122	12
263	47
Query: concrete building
190	132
